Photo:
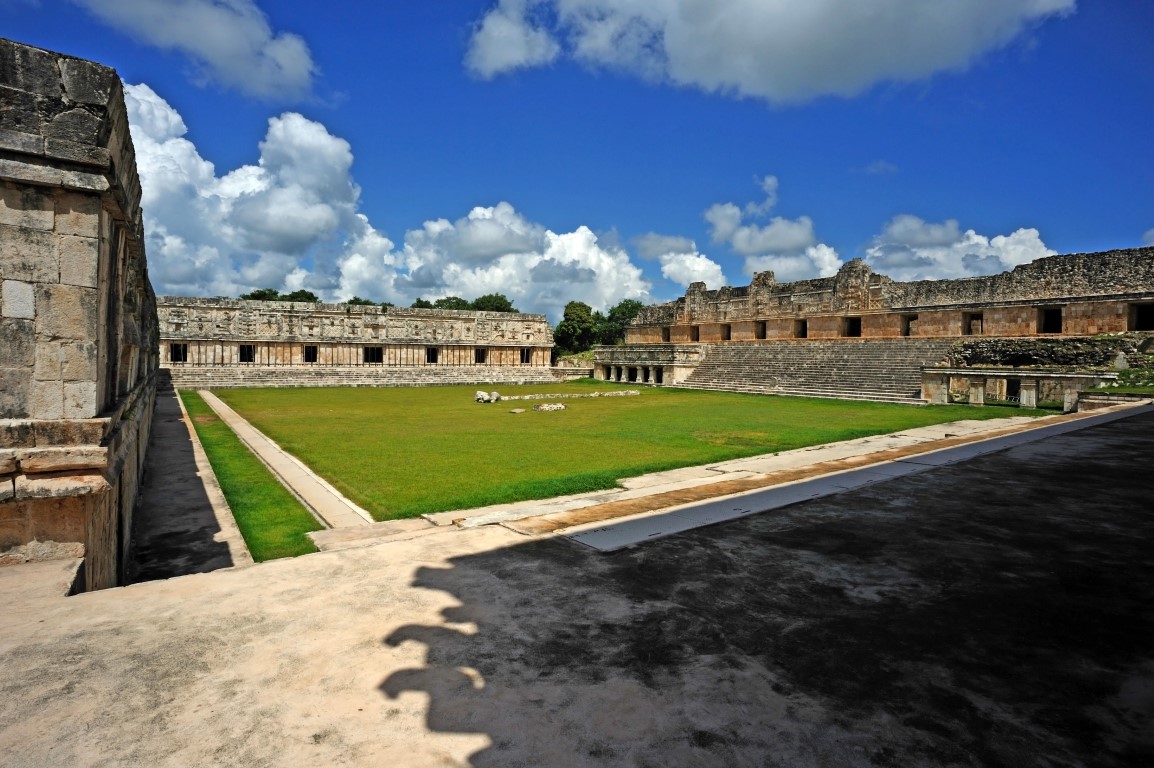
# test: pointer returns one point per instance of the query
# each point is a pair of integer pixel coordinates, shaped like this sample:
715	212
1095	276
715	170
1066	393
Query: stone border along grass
271	520
400	453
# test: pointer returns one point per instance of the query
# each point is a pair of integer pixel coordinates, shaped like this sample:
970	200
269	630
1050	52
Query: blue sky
595	150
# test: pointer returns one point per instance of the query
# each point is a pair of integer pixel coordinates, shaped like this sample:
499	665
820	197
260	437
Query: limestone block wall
78	340
233	333
1091	293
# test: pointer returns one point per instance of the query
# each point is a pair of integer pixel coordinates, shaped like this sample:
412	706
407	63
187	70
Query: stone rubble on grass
549	407
481	396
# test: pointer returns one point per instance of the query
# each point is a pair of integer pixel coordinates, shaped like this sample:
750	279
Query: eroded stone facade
238	335
1076	294
78	343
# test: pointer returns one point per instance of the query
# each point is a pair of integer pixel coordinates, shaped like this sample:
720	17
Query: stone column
936	388
977	391
1029	393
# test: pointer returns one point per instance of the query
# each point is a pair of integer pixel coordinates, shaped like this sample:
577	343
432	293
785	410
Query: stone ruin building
78	343
860	334
228	343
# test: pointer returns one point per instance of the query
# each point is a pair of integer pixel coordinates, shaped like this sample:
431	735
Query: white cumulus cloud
909	248
777	50
788	247
292	221
1148	238
680	260
230	41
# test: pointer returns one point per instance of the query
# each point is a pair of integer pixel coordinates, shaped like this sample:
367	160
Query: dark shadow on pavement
174	525
997	612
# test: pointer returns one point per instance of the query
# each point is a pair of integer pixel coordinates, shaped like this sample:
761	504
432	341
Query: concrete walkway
325	501
183	523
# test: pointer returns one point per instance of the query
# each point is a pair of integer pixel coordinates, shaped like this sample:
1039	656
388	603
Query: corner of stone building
78	338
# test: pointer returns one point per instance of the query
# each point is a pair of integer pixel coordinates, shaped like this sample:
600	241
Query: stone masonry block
78	361
26	207
60	486
47	400
17	343
29	69
76	125
66	312
80	400
7	493
13	530
15	395
61	519
16	434
77	214
73	432
7	463
47	361
79	260
40	460
18	299
20	113
86	82
28	255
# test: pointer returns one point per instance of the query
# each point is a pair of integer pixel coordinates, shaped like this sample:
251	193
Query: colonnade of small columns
636	374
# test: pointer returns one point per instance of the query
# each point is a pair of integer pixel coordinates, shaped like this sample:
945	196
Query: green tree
452	302
493	302
301	295
358	301
612	330
262	294
422	304
577	330
387	304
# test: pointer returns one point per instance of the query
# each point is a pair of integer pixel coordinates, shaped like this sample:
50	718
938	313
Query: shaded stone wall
212	332
78	341
1090	293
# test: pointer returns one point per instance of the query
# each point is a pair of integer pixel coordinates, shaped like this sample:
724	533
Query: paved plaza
993	612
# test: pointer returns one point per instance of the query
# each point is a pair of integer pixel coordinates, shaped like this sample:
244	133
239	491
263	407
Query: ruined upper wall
63	124
857	288
240	320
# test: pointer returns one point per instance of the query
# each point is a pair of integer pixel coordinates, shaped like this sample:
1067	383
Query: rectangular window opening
972	323
178	353
374	354
310	353
480	355
431	355
1141	317
694	333
1049	320
726	332
759	330
909	325
248	353
665	335
851	327
800	329
526	355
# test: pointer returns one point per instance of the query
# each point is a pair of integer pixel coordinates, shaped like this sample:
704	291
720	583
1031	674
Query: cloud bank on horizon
293	220
778	50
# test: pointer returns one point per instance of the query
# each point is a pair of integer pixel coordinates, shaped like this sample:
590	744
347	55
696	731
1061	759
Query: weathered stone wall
231	333
1091	293
78	341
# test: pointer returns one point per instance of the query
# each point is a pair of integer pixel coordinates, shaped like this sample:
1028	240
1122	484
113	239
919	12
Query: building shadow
997	612
175	529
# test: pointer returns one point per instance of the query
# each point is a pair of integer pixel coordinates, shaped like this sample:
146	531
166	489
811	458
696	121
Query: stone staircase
884	370
221	377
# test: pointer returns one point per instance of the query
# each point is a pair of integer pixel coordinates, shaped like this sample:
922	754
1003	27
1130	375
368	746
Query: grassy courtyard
403	452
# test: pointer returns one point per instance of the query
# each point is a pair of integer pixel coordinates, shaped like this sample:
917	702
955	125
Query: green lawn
271	520
403	452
